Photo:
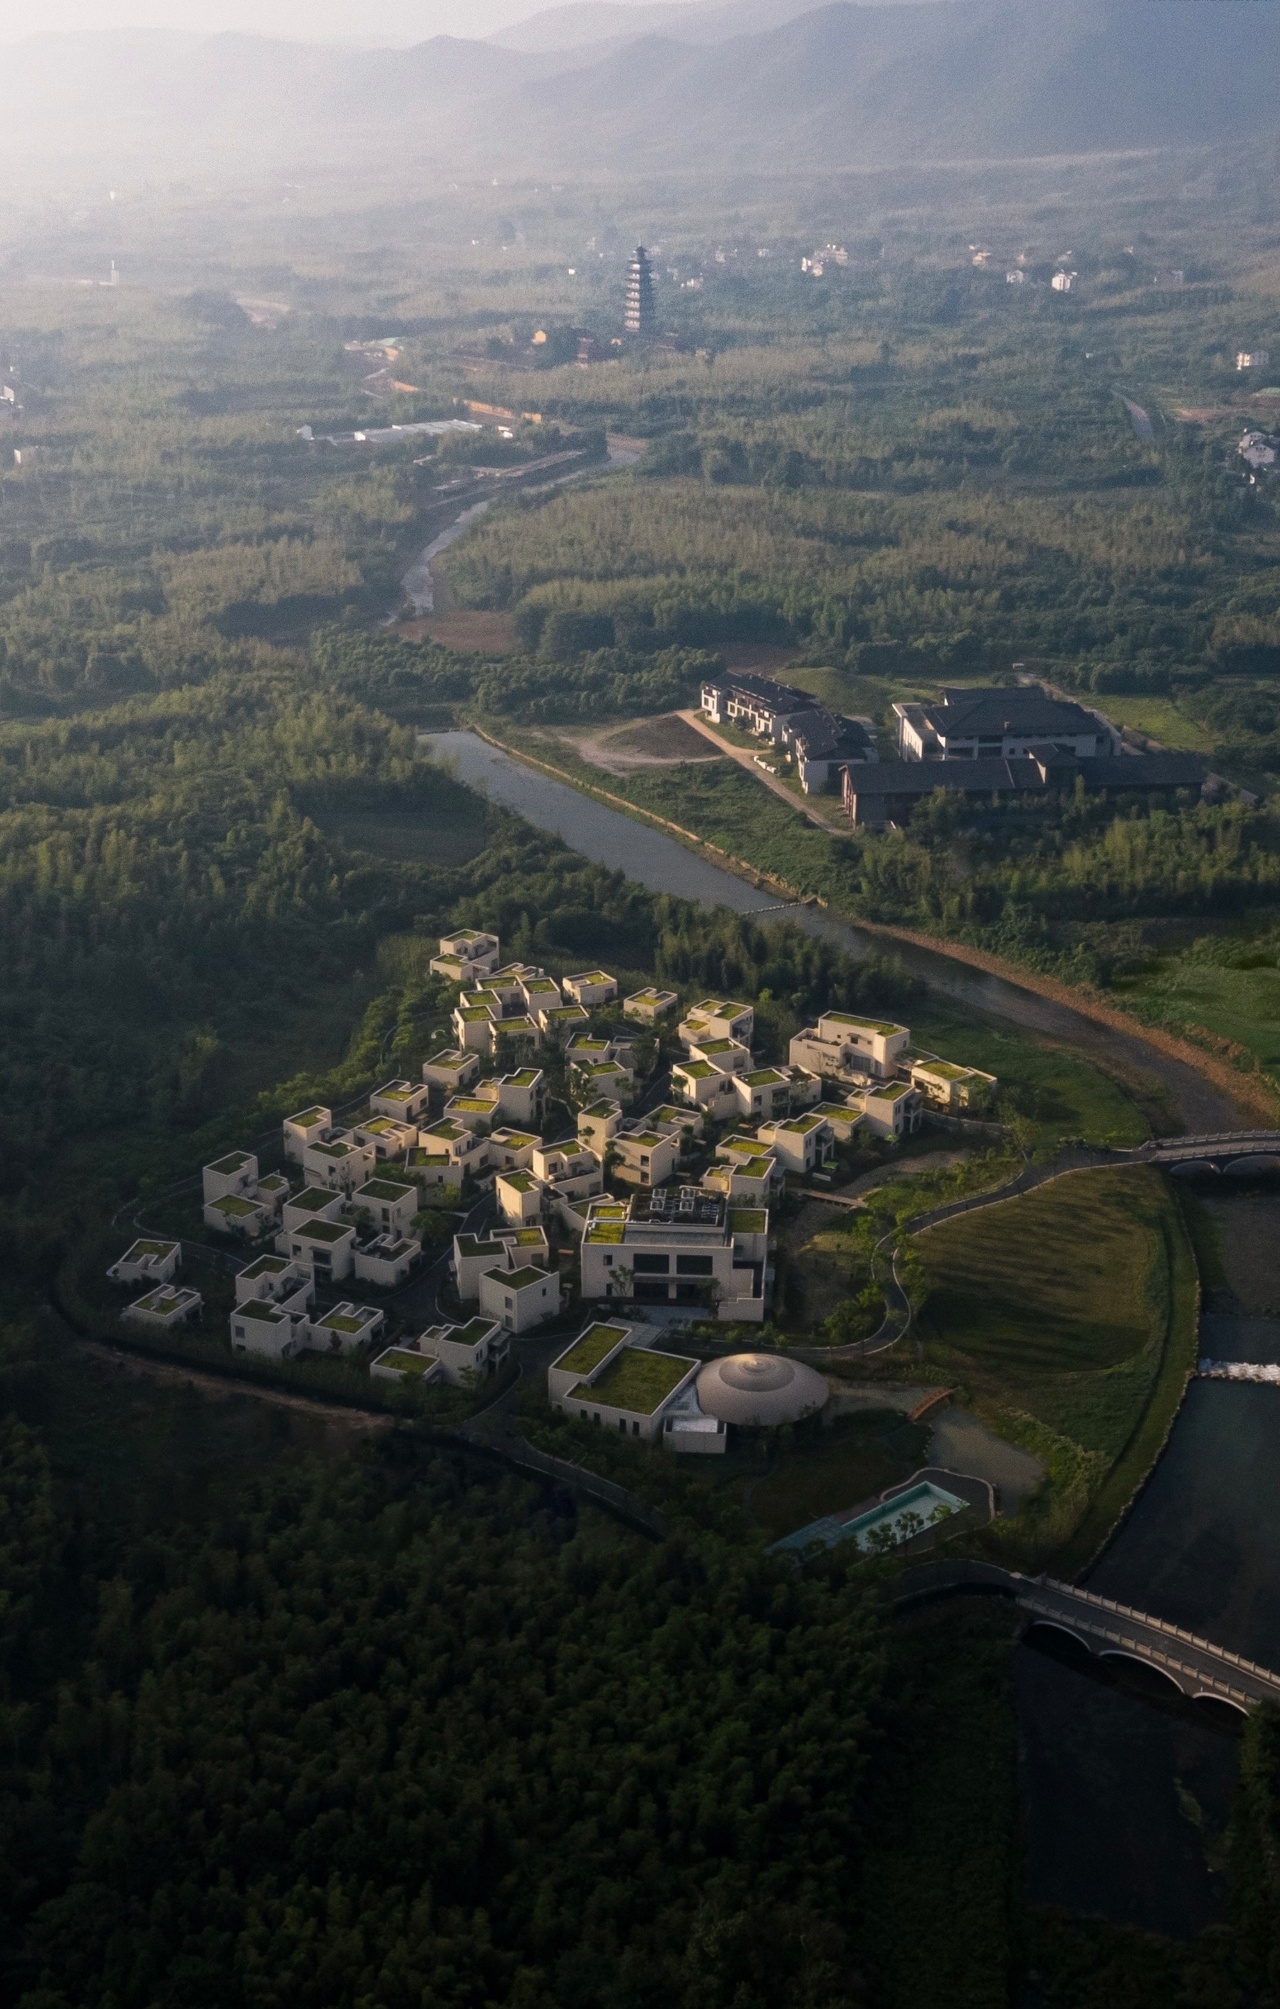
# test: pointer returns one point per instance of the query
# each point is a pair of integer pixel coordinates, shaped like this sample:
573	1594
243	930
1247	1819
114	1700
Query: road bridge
1221	1150
1199	1669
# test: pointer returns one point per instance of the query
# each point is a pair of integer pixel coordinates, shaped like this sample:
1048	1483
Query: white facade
389	1137
598	1123
148	1262
166	1306
345	1329
649	1005
892	1109
472	1256
261	1327
800	1143
522	1096
452	1069
716	1018
387	1261
391	1204
466	1352
844	1046
403	1100
273	1280
519	1299
237	1174
233	1214
762	1093
591	988
339	1163
309	1126
645	1157
313	1203
683	1254
326	1248
521	1197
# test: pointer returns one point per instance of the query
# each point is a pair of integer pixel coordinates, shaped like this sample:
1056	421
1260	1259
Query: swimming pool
884	1525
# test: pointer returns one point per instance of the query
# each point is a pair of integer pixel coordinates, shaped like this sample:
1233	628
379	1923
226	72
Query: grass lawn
1160	718
1067	1316
1229	988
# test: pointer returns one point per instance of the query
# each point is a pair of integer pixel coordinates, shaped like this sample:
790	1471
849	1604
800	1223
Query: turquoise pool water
902	1516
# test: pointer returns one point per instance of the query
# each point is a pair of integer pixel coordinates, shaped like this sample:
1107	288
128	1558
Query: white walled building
673	1246
452	1069
519	1299
844	1046
605	1378
147	1262
166	1306
309	1126
387	1261
404	1101
236	1174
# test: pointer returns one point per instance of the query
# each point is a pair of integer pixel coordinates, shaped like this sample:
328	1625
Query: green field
1062	1093
1066	1317
1226	987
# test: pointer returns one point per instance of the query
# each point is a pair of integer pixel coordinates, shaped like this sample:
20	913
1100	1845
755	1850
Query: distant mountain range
755	83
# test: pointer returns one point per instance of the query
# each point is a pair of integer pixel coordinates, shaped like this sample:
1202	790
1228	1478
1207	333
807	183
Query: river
1126	1802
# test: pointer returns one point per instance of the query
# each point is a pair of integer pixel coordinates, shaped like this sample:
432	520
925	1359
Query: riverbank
1247	1096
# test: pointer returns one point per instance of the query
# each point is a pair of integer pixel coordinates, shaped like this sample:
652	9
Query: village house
649	1005
522	1096
592	988
339	1163
276	1280
672	1246
844	1046
405	1363
389	1203
236	1174
599	1123
389	1137
706	1086
891	1108
452	1069
404	1101
432	1171
326	1248
717	1018
309	1126
520	1196
463	958
519	1299
644	1157
271	1330
387	1261
165	1307
467	1352
949	1087
801	1144
605	1378
147	1262
346	1328
512	1150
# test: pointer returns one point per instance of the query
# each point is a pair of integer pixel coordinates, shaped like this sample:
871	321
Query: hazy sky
382	22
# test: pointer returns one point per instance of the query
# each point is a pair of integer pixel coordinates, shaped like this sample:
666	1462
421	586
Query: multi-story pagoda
639	318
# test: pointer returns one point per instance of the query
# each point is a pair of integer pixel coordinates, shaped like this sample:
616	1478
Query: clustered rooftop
619	1187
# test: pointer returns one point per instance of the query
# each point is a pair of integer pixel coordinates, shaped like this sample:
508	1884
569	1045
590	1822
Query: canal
1126	1799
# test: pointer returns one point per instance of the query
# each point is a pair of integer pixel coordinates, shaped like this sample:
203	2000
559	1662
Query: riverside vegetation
291	1723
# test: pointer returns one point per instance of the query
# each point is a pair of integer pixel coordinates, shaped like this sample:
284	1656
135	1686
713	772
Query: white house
892	1108
466	1352
560	1022
744	1181
452	1069
405	1363
472	1256
147	1262
591	988
645	1157
236	1173
166	1306
717	1018
729	1055
313	1203
705	1085
475	1029
799	1143
1064	282
463	958
844	1120
524	1246
233	1214
599	1123
519	1299
608	1080
573	1171
590	1351
522	1096
844	1046
326	1248
627	1389
649	1005
339	1163
948	1086
387	1261
521	1197
389	1137
275	1280
309	1126
512	1150
476	1111
346	1328
466	1150
262	1327
541	993
686	1429
404	1101
390	1203
762	1092
432	1171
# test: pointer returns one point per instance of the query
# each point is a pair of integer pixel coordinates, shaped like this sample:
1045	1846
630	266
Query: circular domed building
760	1390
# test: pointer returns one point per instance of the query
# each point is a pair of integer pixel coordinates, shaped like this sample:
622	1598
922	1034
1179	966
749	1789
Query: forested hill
843	85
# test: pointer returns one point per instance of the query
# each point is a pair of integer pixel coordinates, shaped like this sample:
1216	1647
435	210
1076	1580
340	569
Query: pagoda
639	318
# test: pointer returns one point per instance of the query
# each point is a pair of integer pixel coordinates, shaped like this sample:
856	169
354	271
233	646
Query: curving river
1125	1802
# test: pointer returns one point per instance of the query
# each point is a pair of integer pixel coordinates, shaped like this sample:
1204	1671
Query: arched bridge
1198	1668
1222	1150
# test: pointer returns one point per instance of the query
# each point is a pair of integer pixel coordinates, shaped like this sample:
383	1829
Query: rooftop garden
306	1117
231	1163
312	1200
385	1189
639	1380
266	1314
748	1220
472	1332
324	1231
606	1233
405	1362
232	1204
344	1321
590	1348
519	1280
883	1026
141	1249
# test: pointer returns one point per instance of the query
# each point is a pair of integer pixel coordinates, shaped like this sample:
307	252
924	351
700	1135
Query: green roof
891	1091
519	1182
386	1189
521	1279
526	1238
313	1199
639	1380
523	1078
400	1358
338	1150
417	1155
148	1249
946	1070
748	1220
606	1232
231	1163
341	1321
165	1298
763	1076
696	1070
885	1027
323	1231
308	1116
590	1348
231	1203
471	1245
255	1308
266	1266
472	1332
